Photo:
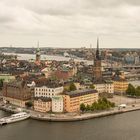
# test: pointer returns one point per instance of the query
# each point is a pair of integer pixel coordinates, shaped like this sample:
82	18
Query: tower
38	55
97	69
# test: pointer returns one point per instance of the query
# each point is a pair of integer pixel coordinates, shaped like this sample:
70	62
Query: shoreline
81	117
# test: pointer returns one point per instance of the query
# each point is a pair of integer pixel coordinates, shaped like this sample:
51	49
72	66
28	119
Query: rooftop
45	99
102	81
57	98
81	92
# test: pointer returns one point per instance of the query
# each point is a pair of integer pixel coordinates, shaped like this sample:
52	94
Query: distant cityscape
51	87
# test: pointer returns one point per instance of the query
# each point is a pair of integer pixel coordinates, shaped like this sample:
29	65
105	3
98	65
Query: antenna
38	44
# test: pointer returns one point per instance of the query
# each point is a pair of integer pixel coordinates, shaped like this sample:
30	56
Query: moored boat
14	118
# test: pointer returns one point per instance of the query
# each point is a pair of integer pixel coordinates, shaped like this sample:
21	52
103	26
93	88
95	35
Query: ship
14	118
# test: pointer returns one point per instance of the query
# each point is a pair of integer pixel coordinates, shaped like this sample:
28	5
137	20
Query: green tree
82	107
112	104
92	87
72	87
137	91
1	84
88	108
131	90
29	104
104	100
94	106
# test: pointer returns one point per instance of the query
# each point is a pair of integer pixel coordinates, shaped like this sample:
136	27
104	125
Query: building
73	100
57	104
120	86
132	59
120	83
7	77
105	87
45	91
42	104
101	84
47	71
16	93
64	73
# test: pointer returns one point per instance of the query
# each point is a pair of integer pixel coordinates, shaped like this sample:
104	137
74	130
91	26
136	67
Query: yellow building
120	86
42	104
72	100
120	83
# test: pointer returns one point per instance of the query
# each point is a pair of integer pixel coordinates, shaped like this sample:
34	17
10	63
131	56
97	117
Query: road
124	100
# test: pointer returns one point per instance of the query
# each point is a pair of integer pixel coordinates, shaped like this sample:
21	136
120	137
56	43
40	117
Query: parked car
122	106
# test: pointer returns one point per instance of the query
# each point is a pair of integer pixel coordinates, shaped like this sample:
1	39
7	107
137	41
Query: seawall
65	118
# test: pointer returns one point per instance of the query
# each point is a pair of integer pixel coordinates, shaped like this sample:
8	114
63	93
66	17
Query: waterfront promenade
85	116
65	117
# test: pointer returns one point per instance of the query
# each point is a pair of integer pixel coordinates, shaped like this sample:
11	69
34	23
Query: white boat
14	118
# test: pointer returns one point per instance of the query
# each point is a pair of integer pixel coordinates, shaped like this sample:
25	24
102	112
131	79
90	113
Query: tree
112	104
29	104
92	86
88	108
131	90
105	100
94	106
137	91
82	107
1	84
72	87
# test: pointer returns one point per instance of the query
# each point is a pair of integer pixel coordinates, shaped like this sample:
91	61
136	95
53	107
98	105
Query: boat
14	118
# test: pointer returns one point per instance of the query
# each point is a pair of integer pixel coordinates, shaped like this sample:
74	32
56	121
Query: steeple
97	51
97	69
38	55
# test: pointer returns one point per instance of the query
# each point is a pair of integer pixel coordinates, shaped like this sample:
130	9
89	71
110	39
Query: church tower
97	69
38	55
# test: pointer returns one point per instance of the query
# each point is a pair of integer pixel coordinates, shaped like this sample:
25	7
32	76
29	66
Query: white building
57	103
45	91
105	87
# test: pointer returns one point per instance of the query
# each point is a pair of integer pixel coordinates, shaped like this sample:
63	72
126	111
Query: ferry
14	118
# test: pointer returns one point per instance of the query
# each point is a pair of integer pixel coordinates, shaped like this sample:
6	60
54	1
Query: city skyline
69	23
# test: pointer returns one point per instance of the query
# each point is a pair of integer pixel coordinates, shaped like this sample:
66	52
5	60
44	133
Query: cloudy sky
70	23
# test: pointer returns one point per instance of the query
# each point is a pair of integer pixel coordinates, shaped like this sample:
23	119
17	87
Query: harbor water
117	127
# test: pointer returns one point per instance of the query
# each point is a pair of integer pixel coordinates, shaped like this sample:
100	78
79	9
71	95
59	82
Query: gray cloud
69	22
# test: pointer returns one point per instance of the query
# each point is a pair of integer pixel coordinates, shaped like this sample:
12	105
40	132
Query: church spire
97	51
38	55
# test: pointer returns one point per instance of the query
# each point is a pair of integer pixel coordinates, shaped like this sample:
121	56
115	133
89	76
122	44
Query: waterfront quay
68	117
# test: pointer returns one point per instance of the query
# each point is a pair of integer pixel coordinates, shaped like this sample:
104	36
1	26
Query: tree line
102	104
133	91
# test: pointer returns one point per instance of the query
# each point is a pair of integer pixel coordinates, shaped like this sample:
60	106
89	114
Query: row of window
45	94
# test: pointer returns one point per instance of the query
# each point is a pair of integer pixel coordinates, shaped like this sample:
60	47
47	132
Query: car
122	106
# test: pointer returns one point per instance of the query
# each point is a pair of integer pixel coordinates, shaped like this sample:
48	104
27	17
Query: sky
70	23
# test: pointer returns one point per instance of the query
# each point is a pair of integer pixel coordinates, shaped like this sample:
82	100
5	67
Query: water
119	127
48	57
